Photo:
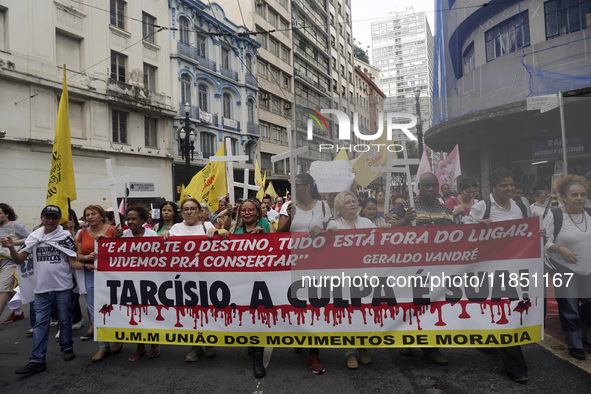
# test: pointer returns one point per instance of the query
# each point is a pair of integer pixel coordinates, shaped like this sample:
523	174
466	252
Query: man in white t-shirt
54	255
272	214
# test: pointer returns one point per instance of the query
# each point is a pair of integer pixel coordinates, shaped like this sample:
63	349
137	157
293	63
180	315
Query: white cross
229	159
292	155
405	163
112	182
246	186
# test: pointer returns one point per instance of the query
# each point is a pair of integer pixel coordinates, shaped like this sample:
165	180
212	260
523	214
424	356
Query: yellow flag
342	155
261	193
62	186
209	184
260	182
183	193
363	164
271	191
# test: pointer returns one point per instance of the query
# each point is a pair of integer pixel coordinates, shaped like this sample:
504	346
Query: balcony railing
251	80
209	64
192	52
301	125
193	112
122	85
310	81
253	128
322	44
226	72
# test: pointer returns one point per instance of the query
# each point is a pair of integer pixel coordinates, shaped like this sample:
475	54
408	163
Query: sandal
117	347
102	353
140	351
154	351
87	336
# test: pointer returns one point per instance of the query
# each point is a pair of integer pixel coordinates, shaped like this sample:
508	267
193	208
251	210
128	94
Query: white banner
230	123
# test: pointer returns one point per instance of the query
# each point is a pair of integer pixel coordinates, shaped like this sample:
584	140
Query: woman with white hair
205	214
346	212
346	215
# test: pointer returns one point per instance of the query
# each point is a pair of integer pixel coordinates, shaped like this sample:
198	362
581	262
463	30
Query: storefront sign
141	186
553	147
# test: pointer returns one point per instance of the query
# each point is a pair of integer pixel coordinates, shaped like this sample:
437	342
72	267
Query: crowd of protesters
65	256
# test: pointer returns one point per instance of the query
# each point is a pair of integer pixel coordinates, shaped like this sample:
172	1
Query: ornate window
227	106
203	98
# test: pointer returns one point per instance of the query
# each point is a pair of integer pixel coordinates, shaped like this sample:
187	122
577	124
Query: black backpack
557	213
488	205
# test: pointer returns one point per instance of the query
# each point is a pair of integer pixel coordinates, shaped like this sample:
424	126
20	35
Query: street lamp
187	141
417	93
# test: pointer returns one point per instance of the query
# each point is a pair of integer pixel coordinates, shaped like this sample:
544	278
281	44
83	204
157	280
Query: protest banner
332	176
467	285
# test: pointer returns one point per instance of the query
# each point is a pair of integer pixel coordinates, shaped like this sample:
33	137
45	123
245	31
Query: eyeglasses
470	193
249	210
189	209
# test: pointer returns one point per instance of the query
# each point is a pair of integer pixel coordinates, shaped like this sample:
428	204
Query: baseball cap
51	210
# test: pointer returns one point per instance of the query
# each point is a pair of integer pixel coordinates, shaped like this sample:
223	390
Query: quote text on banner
467	285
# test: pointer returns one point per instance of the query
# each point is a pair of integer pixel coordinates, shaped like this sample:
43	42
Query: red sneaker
13	318
316	365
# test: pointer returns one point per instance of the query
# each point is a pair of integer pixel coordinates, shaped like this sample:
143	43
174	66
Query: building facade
120	105
305	61
212	66
369	99
270	23
402	48
490	62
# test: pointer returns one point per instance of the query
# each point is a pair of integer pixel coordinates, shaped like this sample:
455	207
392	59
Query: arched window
203	98
234	145
184	24
250	151
227	106
248	61
201	45
250	110
207	144
185	89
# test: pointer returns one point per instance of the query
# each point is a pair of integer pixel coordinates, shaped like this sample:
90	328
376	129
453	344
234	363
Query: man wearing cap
54	255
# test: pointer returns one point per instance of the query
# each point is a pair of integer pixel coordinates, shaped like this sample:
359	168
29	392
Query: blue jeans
569	309
89	282
63	303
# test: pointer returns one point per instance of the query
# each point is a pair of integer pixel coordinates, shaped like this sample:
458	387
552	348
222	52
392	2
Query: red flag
424	166
122	206
449	169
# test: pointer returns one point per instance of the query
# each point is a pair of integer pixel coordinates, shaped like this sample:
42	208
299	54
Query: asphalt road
469	371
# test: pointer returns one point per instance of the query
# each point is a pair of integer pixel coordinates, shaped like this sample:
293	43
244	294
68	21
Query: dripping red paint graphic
522	306
336	316
106	309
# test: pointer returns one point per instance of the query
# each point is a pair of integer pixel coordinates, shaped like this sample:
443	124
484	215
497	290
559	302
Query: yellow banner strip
448	338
